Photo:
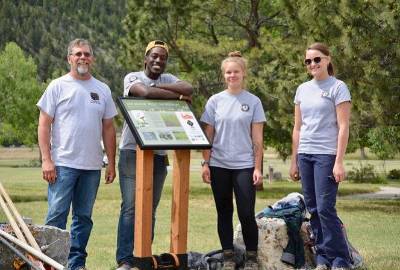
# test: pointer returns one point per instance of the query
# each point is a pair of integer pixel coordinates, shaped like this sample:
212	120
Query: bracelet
180	97
205	162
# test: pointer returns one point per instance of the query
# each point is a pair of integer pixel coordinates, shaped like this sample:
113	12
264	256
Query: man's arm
181	87
109	146
44	128
177	90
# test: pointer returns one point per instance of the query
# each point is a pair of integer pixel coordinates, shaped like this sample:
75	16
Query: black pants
223	182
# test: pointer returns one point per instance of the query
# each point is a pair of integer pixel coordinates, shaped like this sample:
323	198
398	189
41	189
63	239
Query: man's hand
49	171
187	98
110	174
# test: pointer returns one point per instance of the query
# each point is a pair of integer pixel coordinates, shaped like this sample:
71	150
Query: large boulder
54	242
272	240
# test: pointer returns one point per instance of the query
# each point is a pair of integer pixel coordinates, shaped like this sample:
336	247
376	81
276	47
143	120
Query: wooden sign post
143	202
180	202
144	206
162	125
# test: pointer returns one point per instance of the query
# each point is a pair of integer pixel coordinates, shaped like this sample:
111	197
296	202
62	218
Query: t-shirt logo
95	98
324	94
245	107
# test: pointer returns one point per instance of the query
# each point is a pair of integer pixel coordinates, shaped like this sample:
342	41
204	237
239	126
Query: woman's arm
294	170
257	137
343	119
209	130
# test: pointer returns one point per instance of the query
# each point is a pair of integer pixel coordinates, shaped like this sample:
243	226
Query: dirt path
386	193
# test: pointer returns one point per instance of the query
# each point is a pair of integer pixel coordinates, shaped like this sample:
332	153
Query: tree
273	35
19	93
44	28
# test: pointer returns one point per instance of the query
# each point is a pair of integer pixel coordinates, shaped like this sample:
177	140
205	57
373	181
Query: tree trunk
363	155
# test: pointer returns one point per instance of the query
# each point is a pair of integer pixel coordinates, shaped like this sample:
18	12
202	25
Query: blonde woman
234	120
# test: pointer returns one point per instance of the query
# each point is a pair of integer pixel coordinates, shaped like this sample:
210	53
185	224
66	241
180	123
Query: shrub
394	174
364	174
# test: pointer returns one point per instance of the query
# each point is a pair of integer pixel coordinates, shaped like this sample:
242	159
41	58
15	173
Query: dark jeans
127	183
320	190
225	182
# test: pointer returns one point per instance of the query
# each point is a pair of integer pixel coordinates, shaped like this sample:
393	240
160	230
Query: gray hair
78	42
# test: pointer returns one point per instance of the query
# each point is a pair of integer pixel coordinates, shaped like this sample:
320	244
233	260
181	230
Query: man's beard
82	69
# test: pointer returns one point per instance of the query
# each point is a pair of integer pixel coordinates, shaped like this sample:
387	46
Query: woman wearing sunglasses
320	136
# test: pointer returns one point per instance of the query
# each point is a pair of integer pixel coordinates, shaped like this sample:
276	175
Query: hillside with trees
44	28
272	35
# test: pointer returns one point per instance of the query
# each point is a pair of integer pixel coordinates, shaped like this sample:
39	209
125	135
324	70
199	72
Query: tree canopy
19	93
272	35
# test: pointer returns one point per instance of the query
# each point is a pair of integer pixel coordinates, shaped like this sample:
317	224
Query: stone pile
54	242
272	240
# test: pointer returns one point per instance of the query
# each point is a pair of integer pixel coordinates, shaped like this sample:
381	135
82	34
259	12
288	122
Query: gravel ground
386	193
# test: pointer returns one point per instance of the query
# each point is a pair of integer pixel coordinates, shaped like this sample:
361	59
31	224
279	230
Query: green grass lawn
373	226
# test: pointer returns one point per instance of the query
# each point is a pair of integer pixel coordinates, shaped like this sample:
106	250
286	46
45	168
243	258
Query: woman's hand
294	172
257	177
205	174
339	172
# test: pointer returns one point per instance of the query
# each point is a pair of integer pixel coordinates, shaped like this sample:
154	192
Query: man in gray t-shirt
76	113
150	83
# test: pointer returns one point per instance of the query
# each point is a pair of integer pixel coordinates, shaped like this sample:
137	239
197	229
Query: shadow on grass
277	190
28	198
384	206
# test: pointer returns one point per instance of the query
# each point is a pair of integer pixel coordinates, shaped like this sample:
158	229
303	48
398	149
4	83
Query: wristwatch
204	162
153	84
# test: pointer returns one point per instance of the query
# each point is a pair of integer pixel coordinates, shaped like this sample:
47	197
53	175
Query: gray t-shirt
127	139
232	116
77	108
318	101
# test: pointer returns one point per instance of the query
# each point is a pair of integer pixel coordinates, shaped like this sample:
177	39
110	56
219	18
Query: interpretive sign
163	124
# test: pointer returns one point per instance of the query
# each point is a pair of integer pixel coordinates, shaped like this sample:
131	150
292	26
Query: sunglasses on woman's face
316	60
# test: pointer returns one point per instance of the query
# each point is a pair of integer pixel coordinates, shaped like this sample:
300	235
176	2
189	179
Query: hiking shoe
340	268
124	266
250	265
322	267
251	261
229	263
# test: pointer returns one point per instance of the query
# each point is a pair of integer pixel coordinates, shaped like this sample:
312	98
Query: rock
277	176
272	239
54	242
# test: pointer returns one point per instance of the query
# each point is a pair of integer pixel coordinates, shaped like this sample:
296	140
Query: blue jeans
127	182
78	187
320	190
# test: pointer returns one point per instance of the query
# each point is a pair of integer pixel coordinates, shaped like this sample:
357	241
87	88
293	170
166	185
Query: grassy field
373	226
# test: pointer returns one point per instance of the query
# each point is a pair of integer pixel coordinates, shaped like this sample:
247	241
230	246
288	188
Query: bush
8	136
394	174
364	174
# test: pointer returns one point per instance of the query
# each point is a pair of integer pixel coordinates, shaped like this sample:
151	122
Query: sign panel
163	124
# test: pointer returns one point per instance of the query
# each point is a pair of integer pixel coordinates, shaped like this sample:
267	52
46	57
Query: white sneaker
322	267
